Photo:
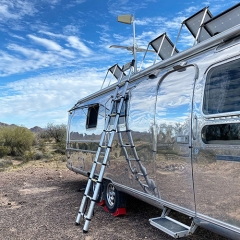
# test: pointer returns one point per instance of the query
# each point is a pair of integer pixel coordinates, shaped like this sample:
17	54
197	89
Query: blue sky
54	52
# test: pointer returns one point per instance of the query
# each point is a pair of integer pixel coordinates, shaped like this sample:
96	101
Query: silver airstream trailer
168	134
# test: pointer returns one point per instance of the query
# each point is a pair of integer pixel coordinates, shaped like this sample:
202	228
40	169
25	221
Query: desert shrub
4	151
41	145
17	139
58	132
28	156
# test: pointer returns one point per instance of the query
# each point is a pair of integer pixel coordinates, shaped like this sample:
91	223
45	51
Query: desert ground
40	200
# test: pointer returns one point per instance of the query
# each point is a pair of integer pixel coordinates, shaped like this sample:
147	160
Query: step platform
171	226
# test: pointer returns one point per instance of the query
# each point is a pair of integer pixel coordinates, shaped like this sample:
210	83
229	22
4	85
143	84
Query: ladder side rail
91	207
109	145
100	176
92	174
88	187
105	159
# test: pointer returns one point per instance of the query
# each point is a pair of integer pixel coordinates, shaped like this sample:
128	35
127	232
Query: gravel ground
40	201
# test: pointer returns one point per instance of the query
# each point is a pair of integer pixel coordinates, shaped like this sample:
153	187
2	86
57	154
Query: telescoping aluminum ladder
96	174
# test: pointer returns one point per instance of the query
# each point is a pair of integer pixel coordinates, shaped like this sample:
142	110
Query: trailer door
216	148
173	115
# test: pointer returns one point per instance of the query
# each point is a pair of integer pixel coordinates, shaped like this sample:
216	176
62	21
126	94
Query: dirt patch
36	190
41	200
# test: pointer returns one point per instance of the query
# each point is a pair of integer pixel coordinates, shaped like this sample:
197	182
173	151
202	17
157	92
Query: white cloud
77	44
125	6
49	96
49	44
70	30
22	59
11	9
52	34
153	21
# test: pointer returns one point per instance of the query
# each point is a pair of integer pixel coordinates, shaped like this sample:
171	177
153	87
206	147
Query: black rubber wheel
113	198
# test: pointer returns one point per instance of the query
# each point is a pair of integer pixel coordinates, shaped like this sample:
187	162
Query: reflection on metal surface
135	164
173	117
141	114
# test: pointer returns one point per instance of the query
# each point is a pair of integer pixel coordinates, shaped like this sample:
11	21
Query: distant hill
35	129
3	124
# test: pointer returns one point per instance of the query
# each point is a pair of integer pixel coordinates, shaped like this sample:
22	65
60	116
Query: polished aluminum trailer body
184	115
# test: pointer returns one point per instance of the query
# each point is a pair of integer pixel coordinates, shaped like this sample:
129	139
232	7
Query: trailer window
221	94
221	134
92	116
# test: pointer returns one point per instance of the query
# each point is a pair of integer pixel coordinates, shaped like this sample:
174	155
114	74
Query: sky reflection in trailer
55	52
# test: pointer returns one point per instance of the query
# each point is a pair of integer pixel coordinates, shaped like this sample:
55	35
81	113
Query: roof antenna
129	19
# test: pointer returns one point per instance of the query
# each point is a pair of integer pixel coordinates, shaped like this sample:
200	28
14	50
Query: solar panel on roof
194	22
223	21
163	46
116	71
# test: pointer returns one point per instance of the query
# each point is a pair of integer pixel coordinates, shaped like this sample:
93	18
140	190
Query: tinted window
221	134
222	90
92	116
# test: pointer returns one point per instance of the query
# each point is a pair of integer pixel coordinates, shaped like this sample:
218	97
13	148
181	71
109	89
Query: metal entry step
170	226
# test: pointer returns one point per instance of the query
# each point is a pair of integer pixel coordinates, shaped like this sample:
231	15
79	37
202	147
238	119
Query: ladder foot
77	224
84	231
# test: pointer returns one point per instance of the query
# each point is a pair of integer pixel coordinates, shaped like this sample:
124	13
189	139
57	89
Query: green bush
4	151
28	156
17	139
58	132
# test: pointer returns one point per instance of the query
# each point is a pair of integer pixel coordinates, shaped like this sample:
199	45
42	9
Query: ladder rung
132	159
118	98
82	214
98	163
112	130
127	145
89	197
125	131
113	115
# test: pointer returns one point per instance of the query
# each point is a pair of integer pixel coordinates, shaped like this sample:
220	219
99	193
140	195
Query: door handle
194	127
